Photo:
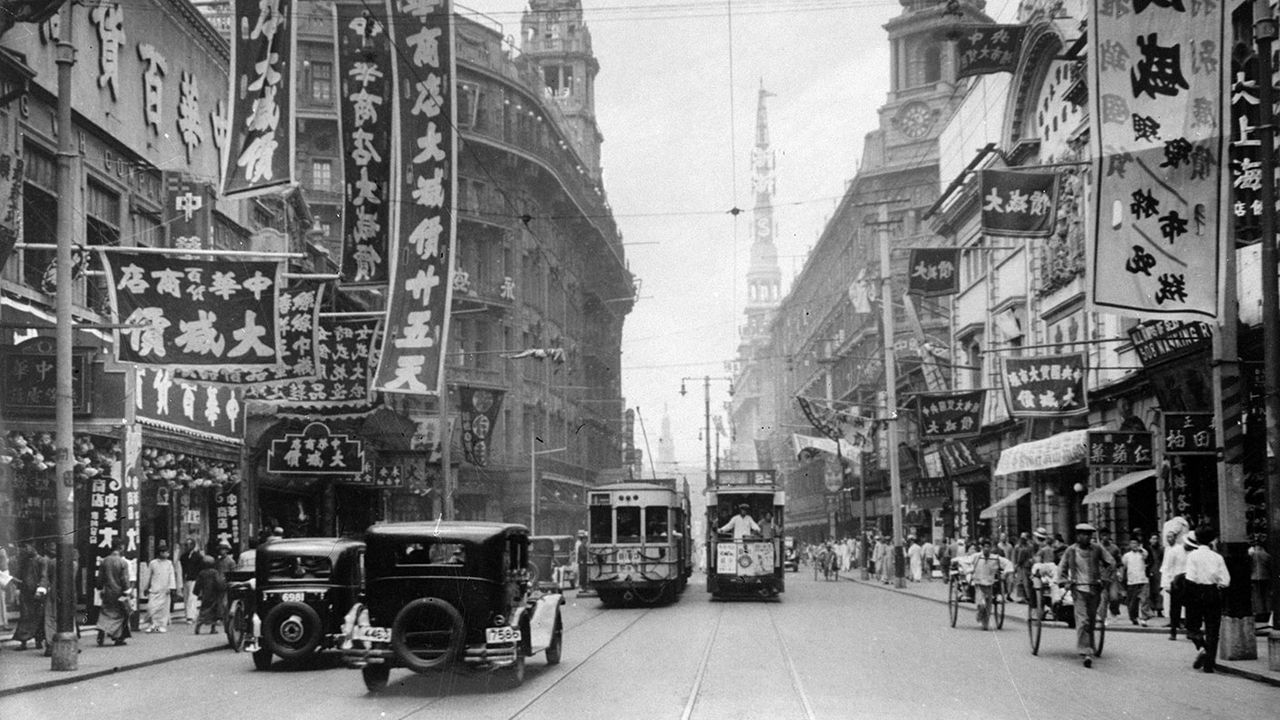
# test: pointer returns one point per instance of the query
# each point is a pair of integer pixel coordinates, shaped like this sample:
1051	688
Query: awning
1054	451
1107	492
1004	502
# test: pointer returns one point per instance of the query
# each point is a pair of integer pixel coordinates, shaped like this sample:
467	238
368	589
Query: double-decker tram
744	534
639	542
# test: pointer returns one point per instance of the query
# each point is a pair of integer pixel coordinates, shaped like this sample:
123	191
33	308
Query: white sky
674	143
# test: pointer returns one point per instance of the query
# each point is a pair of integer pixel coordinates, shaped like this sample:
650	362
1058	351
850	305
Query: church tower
764	279
556	40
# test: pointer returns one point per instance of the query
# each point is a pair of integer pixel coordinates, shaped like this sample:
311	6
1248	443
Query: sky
676	102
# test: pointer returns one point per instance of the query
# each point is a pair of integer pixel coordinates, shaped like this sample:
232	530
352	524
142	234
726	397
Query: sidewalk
936	591
21	671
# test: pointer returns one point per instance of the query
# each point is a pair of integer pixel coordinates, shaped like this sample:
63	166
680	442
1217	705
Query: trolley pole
891	393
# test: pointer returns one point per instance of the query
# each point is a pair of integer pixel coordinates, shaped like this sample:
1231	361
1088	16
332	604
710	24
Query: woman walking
211	588
113	582
162	582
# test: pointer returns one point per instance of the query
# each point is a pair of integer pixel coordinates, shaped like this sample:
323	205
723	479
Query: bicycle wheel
1100	630
234	625
998	605
1035	620
953	601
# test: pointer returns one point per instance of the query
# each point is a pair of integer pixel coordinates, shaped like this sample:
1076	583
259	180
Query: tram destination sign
745	477
1159	341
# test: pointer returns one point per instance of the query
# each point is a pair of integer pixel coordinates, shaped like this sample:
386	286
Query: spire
666	444
762	118
764	278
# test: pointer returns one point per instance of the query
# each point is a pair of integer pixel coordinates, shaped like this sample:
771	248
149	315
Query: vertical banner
259	153
226	515
1160	91
1246	175
367	81
188	212
1019	204
479	415
424	222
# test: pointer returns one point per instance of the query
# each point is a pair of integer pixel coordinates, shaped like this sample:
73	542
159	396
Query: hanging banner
214	313
339	385
479	415
986	49
188	212
934	271
299	316
1019	204
259	153
315	451
950	415
1114	449
188	407
846	425
1246	175
1045	386
226	516
423	224
1160	90
1189	433
958	458
367	87
115	504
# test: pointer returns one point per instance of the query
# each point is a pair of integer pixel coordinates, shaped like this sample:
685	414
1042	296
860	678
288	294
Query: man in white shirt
1207	577
1173	571
741	525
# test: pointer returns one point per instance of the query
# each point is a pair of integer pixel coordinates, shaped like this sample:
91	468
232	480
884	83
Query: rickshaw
960	589
1050	601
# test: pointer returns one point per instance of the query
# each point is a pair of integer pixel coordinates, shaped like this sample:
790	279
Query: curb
75	677
1220	665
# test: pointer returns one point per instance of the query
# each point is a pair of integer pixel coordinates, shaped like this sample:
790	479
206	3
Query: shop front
1054	477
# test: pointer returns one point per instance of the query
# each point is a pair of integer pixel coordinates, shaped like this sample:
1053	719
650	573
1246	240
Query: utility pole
64	644
891	393
446	452
706	415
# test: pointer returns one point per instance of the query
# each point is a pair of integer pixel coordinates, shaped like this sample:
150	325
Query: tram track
796	683
703	663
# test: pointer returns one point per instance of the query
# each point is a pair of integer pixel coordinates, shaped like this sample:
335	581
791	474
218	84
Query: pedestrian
988	569
915	558
1083	569
1133	569
1023	556
842	555
884	559
224	560
1004	548
162	583
1155	558
1173	570
580	556
211	588
1059	547
1114	591
930	558
49	590
1206	579
27	572
115	604
4	587
1260	580
190	563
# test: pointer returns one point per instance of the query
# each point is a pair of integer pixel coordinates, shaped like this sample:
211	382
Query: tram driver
741	525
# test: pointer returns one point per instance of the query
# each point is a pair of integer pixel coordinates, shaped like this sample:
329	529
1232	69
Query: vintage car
304	587
552	563
450	596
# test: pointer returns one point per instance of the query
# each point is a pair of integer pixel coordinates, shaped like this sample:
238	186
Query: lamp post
706	412
533	478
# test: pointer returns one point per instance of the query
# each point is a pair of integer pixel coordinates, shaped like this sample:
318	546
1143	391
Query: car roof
449	530
308	546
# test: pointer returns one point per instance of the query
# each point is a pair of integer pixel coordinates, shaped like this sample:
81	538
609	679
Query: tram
752	565
639	541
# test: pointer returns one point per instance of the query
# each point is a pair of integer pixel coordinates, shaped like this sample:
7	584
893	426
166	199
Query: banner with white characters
188	406
339	386
934	271
1019	204
1159	84
1045	386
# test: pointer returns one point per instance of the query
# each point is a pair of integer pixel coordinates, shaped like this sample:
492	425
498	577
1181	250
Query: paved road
828	650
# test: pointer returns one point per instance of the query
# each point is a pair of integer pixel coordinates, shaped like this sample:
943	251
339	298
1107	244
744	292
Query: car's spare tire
427	633
292	630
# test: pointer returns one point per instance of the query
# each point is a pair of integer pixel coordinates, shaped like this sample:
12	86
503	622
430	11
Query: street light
706	411
533	478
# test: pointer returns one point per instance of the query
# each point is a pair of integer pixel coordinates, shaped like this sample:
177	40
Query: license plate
376	634
293	597
502	635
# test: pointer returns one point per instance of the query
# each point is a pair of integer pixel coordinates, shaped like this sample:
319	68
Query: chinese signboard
1246	168
194	312
258	155
115	503
479	414
367	81
1019	204
340	381
188	405
1160	102
1119	449
1159	341
226	516
950	415
315	451
188	212
1189	433
30	379
1045	386
984	49
934	271
416	334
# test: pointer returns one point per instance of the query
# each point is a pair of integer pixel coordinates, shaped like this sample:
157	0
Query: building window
468	104
321	174
321	81
932	64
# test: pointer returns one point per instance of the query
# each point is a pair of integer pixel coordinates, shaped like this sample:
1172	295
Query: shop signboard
345	349
1019	204
226	516
950	415
1114	449
188	211
934	271
1160	341
1045	386
986	49
315	451
208	410
1189	433
480	408
30	379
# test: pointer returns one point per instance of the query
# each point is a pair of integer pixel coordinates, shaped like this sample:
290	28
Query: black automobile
305	586
450	596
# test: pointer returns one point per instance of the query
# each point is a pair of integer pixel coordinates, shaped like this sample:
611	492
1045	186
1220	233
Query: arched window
932	64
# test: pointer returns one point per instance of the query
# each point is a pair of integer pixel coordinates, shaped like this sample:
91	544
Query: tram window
655	523
602	524
628	524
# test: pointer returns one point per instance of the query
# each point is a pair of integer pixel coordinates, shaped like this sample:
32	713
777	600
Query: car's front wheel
557	642
375	676
427	633
292	630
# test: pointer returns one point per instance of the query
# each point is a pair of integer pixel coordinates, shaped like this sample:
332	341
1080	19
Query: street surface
827	650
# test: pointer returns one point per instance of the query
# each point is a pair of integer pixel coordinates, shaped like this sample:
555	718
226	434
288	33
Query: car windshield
430	552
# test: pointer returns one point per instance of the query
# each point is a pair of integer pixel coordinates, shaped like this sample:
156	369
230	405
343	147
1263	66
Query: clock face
914	119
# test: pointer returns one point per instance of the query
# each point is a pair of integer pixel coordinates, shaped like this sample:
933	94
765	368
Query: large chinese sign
950	415
1114	449
217	313
934	271
1045	386
416	334
188	406
985	49
340	383
1189	433
1019	204
115	503
479	415
258	155
1160	103
315	451
367	81
1246	167
188	212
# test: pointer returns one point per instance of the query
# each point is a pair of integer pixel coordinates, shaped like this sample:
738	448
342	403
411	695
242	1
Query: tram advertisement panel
745	559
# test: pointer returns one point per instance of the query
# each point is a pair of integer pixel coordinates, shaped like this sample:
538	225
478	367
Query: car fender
542	621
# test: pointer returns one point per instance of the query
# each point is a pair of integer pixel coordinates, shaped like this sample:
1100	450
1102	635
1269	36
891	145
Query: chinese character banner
479	415
934	271
1119	449
1246	167
1045	386
217	313
315	451
259	153
208	409
950	415
226	516
1189	433
1159	88
986	49
424	224
188	212
345	350
366	82
1019	204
